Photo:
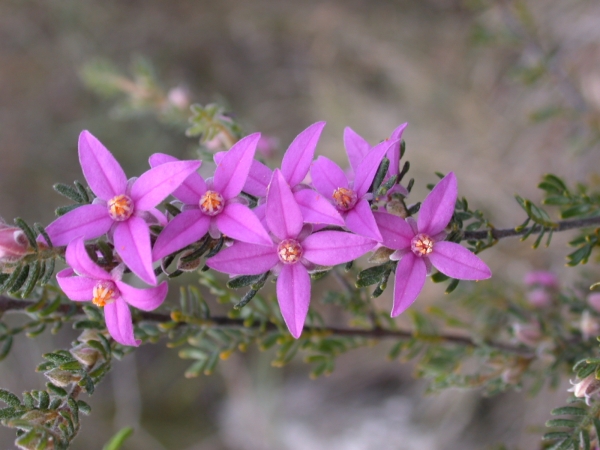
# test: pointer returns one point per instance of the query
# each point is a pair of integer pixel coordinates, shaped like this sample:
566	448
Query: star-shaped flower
351	197
86	281
420	245
357	148
294	168
213	206
291	254
121	207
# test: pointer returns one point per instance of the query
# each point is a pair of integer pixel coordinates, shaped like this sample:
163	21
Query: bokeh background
498	92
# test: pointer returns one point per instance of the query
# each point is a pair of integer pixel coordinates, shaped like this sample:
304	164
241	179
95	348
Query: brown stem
563	225
10	304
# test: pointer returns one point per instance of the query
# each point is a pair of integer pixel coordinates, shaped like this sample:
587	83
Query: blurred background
498	92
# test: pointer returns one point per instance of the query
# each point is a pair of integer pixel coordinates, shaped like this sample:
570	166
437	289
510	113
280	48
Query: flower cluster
294	228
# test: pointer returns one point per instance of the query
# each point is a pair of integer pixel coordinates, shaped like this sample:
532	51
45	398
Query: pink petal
360	220
192	188
87	221
327	176
356	147
232	171
258	179
244	259
329	248
132	243
100	168
299	154
119	324
77	257
239	222
184	229
396	232
79	289
438	207
317	209
368	167
156	184
393	153
457	262
293	295
283	213
144	299
410	279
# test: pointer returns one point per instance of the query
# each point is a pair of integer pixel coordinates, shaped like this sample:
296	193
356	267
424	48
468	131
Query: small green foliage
117	441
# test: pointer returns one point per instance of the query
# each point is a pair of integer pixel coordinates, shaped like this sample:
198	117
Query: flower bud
188	266
267	145
13	243
85	355
589	326
61	378
539	297
593	301
179	97
381	255
528	333
585	388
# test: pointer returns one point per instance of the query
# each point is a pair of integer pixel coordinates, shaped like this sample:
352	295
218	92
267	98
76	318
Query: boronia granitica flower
297	226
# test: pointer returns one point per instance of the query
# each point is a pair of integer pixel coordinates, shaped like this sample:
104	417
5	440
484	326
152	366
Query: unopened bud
61	378
528	333
13	243
589	326
397	208
267	145
381	255
179	97
188	266
85	355
89	334
594	301
585	388
539	297
512	375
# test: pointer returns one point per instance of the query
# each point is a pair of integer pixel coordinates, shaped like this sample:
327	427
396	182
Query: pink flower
357	148
594	301
291	254
351	198
85	281
121	207
294	168
420	245
13	243
213	206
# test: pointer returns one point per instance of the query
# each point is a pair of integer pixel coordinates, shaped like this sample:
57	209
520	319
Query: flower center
344	198
289	251
212	203
421	245
104	293
120	208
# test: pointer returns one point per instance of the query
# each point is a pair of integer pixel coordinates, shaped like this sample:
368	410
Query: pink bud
541	278
586	387
267	145
594	301
539	298
13	243
179	97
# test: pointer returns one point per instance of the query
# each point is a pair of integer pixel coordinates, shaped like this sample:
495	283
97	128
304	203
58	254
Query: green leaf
70	192
56	389
568	411
84	407
5	348
569	423
557	200
9	398
117	441
44	400
243	281
29	233
575	211
553	435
